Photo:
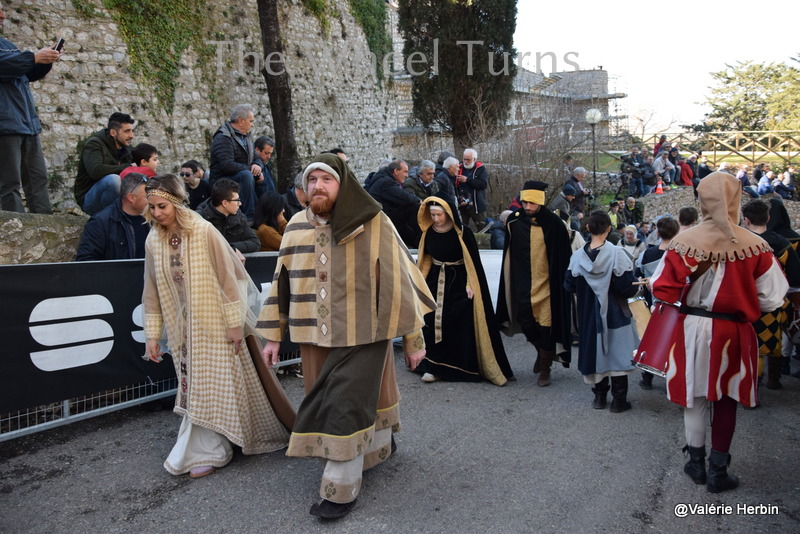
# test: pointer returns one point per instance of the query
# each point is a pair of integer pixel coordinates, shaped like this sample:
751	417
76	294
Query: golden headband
165	195
534	196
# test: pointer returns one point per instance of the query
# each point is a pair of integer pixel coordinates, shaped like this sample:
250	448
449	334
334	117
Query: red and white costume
718	357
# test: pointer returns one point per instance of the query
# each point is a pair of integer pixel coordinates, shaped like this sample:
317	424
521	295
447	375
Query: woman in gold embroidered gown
196	286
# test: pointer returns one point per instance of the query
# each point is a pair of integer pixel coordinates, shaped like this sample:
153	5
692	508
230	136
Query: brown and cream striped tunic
362	290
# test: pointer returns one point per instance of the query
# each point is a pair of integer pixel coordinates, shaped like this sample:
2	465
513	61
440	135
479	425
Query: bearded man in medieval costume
345	285
531	297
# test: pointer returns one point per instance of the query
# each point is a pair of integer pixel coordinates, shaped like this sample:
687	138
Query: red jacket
686	173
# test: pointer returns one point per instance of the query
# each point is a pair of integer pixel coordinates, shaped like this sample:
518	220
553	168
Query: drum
663	333
640	314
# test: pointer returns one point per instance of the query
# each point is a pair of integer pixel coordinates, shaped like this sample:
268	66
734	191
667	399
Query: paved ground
471	458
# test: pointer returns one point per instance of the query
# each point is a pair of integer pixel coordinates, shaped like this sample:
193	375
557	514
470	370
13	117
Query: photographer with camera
632	165
582	194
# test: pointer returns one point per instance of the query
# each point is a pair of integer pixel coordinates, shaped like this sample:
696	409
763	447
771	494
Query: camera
630	166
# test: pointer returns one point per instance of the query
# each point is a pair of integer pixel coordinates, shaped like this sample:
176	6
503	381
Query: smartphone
60	45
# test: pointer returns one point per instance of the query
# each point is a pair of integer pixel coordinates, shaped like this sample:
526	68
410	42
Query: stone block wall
337	98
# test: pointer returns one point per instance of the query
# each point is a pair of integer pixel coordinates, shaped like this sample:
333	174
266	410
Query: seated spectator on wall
222	211
741	175
103	157
197	187
270	221
649	178
765	184
264	146
233	154
118	231
783	185
145	161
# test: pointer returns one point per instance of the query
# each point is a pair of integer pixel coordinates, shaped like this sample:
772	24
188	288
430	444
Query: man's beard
321	205
469	166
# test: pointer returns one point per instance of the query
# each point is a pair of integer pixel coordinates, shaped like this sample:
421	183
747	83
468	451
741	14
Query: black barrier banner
73	329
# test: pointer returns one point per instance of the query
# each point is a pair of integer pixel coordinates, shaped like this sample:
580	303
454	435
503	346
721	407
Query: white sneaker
427	377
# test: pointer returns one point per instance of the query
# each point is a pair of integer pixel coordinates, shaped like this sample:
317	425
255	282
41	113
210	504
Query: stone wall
338	100
33	238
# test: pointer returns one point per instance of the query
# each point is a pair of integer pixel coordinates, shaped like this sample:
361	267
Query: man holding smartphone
20	148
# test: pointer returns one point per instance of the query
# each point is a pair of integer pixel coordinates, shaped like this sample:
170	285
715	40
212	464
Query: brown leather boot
544	363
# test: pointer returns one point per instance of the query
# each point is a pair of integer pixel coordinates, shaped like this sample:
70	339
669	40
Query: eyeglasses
239	200
185	174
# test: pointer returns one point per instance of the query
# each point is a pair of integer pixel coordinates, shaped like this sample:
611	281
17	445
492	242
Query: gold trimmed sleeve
233	314
153	325
413	342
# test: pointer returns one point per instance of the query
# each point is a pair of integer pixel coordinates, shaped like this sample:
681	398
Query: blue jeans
247	191
637	187
750	190
103	193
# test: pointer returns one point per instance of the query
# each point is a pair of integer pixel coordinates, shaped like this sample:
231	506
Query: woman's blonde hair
173	190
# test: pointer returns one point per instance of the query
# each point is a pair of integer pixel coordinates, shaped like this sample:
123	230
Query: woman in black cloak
462	336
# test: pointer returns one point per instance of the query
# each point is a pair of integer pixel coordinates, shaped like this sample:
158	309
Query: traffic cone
659	189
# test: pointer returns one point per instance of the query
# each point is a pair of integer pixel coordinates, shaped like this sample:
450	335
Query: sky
661	61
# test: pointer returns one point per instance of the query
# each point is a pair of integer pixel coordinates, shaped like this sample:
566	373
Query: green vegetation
371	16
321	10
471	93
753	96
85	8
157	34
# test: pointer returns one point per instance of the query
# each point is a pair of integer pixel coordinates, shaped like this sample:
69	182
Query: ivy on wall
370	15
157	33
321	10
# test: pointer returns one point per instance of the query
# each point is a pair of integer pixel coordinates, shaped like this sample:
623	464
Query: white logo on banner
138	319
69	332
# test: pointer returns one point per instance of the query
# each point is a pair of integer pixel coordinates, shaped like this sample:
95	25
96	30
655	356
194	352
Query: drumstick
642	283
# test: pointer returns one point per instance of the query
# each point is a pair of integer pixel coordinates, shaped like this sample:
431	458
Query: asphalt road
471	458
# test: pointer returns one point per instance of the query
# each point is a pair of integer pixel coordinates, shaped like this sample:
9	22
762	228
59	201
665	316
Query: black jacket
110	236
385	189
233	228
447	188
475	187
228	156
292	204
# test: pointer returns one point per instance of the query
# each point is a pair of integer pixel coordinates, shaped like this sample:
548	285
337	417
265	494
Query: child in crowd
145	161
601	275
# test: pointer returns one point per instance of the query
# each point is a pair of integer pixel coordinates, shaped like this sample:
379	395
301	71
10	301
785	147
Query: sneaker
427	377
674	186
